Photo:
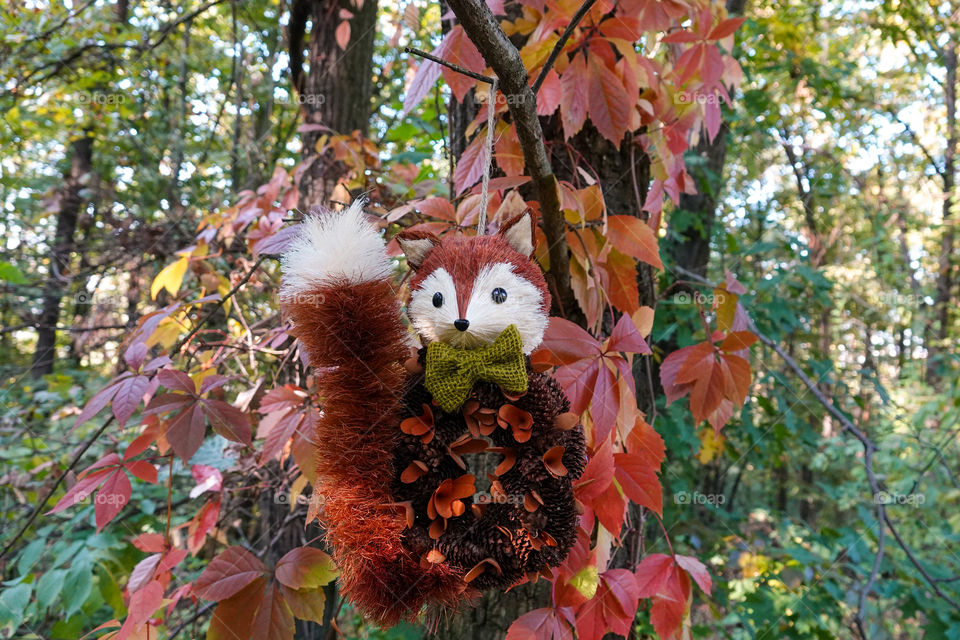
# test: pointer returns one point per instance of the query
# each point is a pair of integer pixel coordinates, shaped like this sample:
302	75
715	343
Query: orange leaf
635	238
573	96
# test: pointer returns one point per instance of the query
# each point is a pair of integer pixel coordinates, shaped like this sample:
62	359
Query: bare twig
869	448
449	65
219	304
574	21
484	31
40	505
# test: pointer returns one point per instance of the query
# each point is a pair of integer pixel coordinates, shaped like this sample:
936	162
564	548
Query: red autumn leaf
639	481
439	208
143	572
697	570
305	568
626	337
611	609
150	542
539	624
716	381
565	342
207	479
142	469
177	381
228	573
725	28
551	93
185	430
460	50
659	578
509	153
610	508
679	37
342	35
652	574
128	397
622	288
635	238
201	524
144	602
230	422
574	84
589	370
470	165
108	476
233	617
597	475
273	621
608	102
620	594
423	80
738	341
644	441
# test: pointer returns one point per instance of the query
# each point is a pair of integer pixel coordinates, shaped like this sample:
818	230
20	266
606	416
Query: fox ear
416	245
518	233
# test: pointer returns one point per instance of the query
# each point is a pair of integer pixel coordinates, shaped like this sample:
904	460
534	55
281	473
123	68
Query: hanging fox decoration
409	524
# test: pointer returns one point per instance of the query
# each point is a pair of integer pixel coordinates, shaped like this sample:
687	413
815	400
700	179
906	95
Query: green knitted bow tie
451	372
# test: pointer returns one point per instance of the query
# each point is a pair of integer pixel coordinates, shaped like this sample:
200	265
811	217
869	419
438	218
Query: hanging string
488	159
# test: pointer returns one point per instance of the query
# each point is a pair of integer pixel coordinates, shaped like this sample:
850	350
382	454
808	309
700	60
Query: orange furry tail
337	293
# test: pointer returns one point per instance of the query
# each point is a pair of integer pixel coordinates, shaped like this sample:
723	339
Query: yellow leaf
296	489
725	304
592	199
711	445
170	277
643	318
586	581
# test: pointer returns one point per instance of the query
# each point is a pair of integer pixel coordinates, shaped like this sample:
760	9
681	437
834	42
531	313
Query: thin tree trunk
944	293
71	201
336	91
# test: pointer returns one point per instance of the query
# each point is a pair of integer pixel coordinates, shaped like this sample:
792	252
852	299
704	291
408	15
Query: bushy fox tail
337	292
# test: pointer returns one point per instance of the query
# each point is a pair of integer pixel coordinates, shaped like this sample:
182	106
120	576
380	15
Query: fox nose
461	324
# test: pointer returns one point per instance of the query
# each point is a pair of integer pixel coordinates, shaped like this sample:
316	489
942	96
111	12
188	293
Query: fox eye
438	299
499	295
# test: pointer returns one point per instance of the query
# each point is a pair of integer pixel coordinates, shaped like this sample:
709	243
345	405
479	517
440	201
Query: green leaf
77	585
10	273
49	586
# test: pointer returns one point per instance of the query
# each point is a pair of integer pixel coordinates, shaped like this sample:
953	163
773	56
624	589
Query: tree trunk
335	92
71	201
942	299
689	246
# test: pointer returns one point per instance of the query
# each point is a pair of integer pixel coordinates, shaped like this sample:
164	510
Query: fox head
467	289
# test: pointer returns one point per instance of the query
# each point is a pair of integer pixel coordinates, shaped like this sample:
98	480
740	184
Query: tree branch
574	21
449	65
40	505
869	447
484	31
220	304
